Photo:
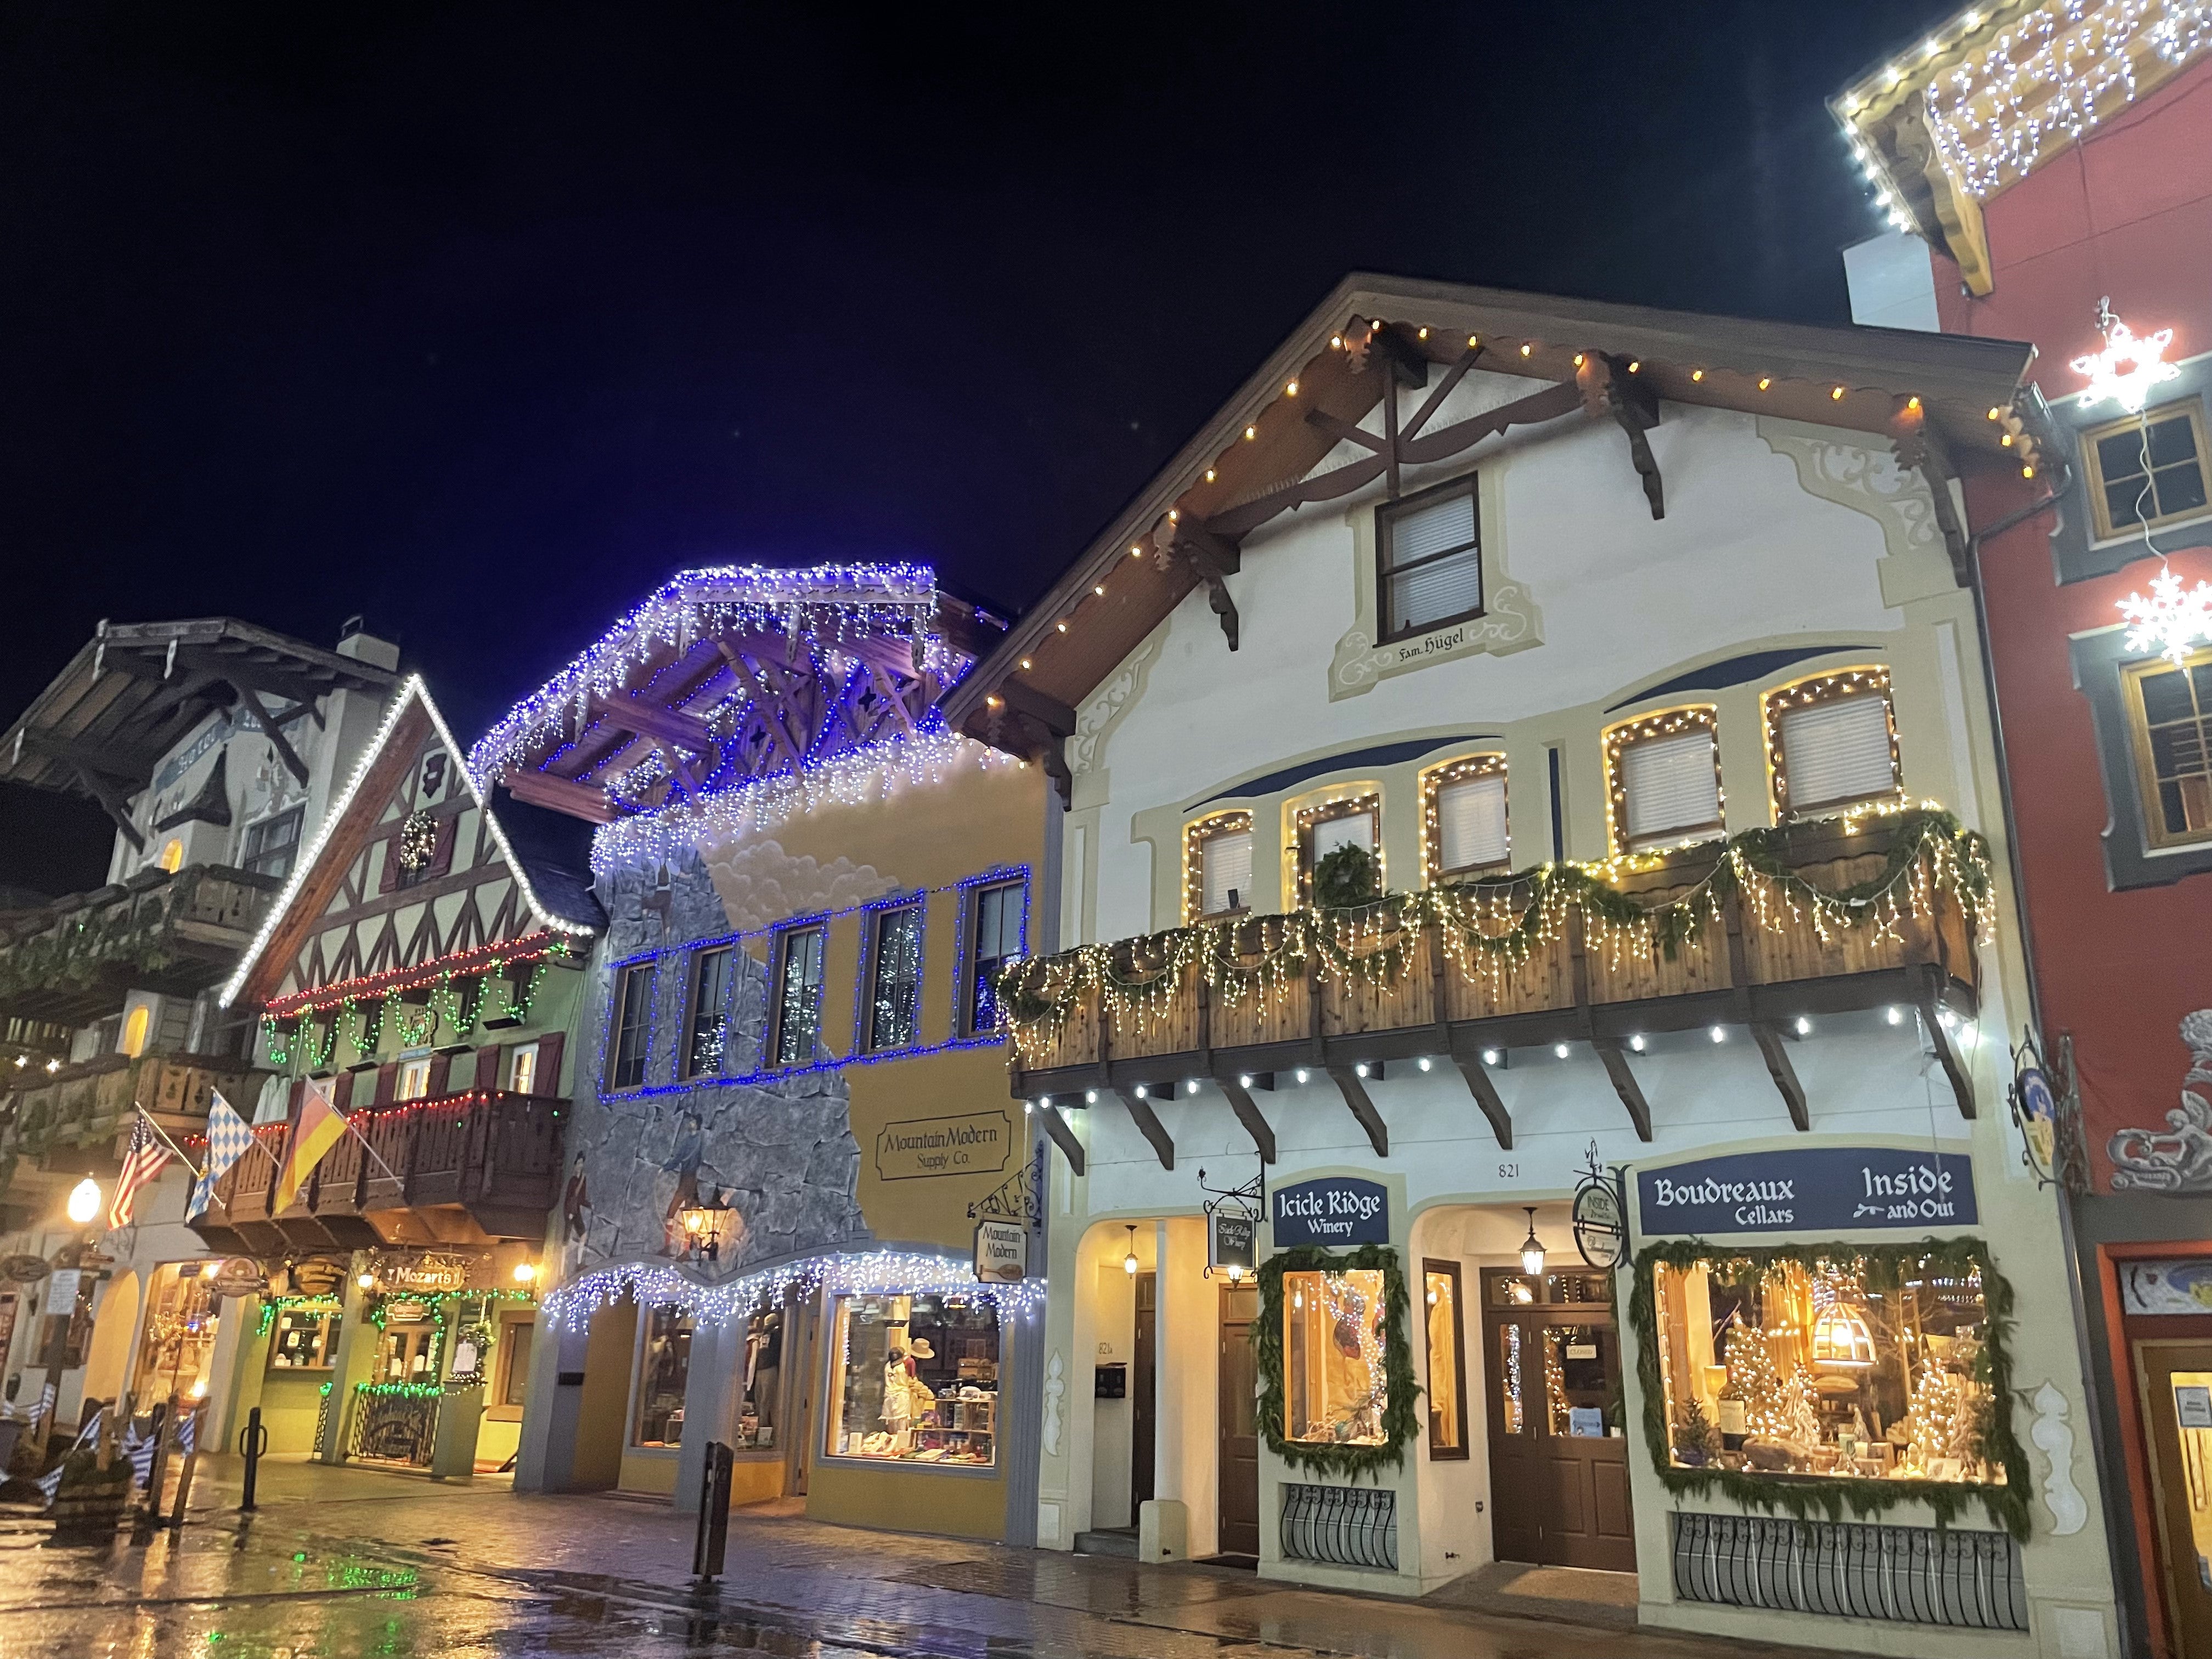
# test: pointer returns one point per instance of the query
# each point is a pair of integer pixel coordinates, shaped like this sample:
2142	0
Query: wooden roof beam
1485	1097
1149	1125
1062	1135
270	730
579	801
1248	1114
1355	1097
1625	1085
1773	1051
673	726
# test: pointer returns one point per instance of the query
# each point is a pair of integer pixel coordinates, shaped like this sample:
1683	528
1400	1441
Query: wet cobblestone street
344	1562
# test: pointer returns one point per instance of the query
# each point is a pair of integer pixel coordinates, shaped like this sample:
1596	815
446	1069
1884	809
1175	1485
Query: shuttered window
1225	872
1671	785
1471	822
1836	752
1431	553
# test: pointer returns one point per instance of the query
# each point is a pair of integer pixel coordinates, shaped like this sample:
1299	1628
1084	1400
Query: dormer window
1662	778
1429	549
1831	743
1217	866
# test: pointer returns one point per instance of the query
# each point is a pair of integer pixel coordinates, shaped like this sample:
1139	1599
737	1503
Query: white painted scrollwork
2053	1436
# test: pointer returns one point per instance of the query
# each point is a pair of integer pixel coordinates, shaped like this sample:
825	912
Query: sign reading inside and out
1811	1188
1332	1211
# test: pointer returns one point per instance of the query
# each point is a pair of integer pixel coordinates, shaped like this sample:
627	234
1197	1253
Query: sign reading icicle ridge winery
1808	1189
1333	1210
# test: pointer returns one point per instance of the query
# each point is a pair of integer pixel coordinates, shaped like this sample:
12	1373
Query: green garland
1399	1418
1808	1495
1502	920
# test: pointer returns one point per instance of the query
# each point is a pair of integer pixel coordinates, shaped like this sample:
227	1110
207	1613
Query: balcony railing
177	934
84	1104
1761	930
486	1157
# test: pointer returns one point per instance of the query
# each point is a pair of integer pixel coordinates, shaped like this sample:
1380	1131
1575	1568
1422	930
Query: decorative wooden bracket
1625	1085
1920	449
1213	558
1062	1136
1248	1114
1635	406
1776	1054
1355	1095
1947	1055
114	805
1485	1096
1149	1125
278	740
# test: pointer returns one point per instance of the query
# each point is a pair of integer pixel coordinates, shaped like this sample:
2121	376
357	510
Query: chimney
355	641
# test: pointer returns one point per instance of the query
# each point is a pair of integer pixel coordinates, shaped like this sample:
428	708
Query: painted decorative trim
2053	1436
1095	720
1432	784
1056	1391
1866	480
1195	836
1511	622
2100	659
1660	723
1833	686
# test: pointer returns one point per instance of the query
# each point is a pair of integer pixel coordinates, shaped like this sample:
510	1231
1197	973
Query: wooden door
2175	1380
798	1381
1558	1476
1238	1453
1143	1395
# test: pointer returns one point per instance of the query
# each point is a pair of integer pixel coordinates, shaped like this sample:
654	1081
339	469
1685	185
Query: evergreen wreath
419	840
1400	1418
1346	876
1809	1497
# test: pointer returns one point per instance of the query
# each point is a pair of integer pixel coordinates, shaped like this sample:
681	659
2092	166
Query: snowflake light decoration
2170	619
2130	387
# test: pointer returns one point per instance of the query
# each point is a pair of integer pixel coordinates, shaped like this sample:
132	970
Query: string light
874	1273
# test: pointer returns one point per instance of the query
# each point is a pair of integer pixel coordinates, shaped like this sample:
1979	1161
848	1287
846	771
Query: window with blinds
1225	872
1355	830
1471	824
1671	785
1431	548
1836	752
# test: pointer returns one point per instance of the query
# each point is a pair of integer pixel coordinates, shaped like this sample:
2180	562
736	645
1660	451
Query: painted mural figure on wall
576	1219
2177	1159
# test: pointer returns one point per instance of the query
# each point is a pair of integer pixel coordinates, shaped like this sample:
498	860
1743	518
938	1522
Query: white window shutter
1838	752
1471	822
1356	830
1225	872
1671	784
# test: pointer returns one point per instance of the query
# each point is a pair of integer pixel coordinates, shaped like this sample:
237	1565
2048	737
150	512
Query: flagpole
197	1174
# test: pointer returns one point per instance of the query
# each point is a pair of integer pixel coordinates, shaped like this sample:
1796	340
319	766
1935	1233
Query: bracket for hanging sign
1232	1226
1019	1197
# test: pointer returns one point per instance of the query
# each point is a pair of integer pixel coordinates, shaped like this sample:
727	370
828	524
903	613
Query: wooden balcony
74	959
463	1168
1397	987
84	1104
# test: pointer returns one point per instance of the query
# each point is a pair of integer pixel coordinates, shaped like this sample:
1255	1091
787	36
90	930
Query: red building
2037	162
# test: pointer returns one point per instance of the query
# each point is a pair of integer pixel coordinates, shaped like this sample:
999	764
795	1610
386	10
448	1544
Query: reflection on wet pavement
344	1562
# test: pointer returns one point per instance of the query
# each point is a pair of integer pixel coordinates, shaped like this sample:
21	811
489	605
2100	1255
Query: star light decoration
2129	387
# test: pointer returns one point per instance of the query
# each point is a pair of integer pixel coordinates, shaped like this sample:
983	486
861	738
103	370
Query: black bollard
712	1544
252	1441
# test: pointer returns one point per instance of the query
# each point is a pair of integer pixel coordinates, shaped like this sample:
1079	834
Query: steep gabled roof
561	904
1936	397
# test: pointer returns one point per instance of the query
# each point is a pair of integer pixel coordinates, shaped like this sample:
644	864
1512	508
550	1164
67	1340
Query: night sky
481	321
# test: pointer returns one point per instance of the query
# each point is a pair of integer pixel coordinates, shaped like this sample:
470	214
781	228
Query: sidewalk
341	1560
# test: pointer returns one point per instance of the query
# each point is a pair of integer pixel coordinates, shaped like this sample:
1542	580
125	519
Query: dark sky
481	320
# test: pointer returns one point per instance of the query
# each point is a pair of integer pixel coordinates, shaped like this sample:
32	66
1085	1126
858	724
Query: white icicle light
881	1273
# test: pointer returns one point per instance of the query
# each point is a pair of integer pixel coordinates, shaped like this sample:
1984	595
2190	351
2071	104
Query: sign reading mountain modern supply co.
1808	1189
1332	1210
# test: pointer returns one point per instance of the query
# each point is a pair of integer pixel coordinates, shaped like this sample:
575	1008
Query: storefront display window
914	1379
1876	1369
177	1352
304	1339
763	1380
664	1370
1335	1384
1447	1392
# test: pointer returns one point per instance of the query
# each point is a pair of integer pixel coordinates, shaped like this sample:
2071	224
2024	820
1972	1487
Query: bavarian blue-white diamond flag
230	1137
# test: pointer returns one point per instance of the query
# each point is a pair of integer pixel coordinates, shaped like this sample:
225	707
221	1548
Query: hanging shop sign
979	1144
425	1275
1232	1244
404	1312
239	1275
1002	1252
1599	1234
1808	1190
1330	1210
316	1276
24	1269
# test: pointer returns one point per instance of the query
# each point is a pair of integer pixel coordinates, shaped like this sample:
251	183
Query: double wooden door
1559	1470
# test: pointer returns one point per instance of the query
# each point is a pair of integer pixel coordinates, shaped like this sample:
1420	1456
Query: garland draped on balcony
1490	927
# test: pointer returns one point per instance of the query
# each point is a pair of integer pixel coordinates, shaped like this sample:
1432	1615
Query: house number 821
1508	1172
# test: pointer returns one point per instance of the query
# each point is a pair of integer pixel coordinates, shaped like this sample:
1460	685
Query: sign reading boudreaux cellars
1330	1209
1808	1190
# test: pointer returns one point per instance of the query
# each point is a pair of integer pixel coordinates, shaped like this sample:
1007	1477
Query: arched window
172	854
134	1030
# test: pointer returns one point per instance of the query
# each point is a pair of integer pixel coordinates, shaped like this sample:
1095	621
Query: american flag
145	1159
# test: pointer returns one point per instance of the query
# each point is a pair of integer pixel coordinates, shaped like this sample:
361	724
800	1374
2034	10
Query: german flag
321	1126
